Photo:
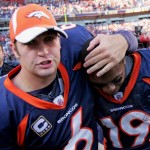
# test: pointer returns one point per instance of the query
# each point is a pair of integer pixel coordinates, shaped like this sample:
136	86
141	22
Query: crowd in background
109	28
75	6
78	6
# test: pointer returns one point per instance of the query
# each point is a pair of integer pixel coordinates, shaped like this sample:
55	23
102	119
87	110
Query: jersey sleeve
72	46
130	38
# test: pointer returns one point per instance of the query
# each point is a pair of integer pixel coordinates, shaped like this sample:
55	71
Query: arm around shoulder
130	38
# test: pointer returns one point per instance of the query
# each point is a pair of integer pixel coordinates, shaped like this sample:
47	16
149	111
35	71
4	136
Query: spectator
4	68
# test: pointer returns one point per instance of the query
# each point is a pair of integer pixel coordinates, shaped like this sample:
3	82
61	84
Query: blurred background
98	16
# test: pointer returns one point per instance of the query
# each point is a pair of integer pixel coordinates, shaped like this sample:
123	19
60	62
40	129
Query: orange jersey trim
36	102
132	81
147	80
77	66
21	131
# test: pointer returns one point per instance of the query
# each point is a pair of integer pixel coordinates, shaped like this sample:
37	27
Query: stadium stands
98	16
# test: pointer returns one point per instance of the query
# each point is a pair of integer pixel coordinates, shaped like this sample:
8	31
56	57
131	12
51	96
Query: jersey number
79	133
141	131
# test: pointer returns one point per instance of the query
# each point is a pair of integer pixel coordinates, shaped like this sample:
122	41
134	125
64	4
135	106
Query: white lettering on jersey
41	126
121	108
68	113
79	133
140	132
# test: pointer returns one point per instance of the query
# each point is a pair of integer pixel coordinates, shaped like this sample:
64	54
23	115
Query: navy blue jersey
30	123
126	122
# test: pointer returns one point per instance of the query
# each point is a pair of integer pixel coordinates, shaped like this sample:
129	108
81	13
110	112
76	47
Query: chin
46	73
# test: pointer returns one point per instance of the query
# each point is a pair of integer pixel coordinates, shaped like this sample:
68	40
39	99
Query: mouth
45	62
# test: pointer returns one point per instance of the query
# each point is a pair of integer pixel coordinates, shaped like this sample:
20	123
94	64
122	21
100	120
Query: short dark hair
84	51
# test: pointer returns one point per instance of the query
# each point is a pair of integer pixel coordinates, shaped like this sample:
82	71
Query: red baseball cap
27	22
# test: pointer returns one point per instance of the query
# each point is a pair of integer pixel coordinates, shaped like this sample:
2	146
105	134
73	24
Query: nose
43	50
109	89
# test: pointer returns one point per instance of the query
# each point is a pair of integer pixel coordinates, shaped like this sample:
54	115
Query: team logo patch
41	126
59	100
118	95
38	14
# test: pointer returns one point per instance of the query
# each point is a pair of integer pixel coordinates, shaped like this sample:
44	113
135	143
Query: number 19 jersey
126	122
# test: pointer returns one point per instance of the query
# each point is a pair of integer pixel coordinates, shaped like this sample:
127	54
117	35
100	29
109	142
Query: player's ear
14	49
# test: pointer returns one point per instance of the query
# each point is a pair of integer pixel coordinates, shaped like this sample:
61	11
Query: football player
123	102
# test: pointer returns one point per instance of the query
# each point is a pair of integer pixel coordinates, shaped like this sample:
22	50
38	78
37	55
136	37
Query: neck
28	82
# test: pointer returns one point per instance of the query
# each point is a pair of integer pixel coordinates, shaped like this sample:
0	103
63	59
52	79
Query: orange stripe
36	102
21	131
77	66
132	81
105	146
147	80
66	81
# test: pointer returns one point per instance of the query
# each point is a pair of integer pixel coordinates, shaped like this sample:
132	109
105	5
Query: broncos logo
38	14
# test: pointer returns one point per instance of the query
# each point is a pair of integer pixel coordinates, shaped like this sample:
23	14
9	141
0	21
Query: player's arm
110	50
130	38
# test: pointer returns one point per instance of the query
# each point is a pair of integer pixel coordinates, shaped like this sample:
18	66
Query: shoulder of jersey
75	29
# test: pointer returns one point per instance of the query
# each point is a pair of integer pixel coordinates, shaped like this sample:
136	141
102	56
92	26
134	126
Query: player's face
110	82
41	56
